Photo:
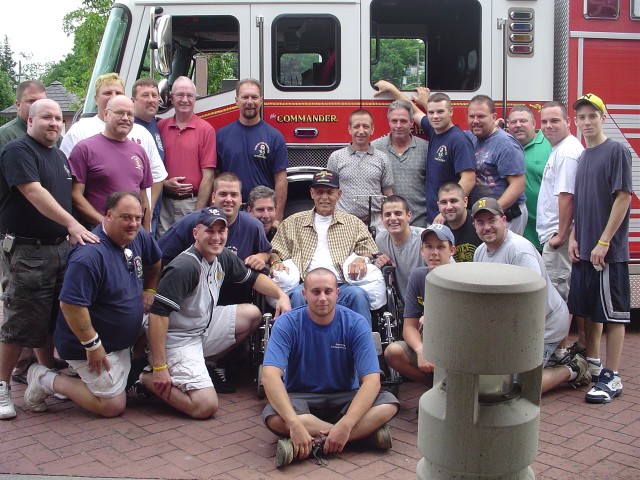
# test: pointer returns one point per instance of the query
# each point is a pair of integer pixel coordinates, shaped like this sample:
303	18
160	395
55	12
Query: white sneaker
607	387
34	395
7	409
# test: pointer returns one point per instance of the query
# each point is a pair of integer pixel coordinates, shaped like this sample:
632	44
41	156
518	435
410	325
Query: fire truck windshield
110	54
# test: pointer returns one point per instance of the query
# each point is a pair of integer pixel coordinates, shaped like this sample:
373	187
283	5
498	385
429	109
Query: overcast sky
35	28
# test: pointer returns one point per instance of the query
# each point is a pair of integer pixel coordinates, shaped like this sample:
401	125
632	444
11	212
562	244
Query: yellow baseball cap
592	100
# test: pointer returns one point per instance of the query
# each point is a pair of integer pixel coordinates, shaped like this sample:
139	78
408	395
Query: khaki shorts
110	383
558	265
221	333
186	366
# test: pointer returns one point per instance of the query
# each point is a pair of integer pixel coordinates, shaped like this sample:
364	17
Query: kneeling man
315	360
186	325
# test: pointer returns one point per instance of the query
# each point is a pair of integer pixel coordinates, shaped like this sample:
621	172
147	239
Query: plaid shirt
297	239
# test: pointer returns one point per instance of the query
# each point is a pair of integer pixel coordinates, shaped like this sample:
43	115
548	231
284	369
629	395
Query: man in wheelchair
324	237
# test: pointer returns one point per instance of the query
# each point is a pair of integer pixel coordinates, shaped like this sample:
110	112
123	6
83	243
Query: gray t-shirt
189	288
517	250
602	171
406	257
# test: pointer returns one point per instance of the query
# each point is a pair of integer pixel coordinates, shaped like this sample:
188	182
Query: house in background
69	103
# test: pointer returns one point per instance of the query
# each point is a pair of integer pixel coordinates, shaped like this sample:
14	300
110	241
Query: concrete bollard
484	332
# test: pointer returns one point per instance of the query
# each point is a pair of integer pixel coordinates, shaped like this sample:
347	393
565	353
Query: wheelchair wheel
260	391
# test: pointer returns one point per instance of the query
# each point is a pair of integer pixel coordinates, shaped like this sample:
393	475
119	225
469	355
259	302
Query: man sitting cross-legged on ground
315	358
185	324
405	356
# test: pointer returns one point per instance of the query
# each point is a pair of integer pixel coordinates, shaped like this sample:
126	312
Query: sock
572	374
594	361
46	381
560	352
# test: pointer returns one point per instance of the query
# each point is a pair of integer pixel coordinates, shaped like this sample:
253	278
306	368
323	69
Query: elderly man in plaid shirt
324	237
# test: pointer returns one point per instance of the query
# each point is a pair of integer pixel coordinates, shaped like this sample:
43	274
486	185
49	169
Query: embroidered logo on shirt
261	150
441	154
137	162
339	346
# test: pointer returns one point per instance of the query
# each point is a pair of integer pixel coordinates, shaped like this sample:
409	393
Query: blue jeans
350	296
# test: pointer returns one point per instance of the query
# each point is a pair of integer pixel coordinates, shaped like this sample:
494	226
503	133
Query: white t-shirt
517	250
322	256
88	127
559	176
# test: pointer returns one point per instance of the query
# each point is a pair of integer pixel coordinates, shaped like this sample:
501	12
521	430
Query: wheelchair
387	328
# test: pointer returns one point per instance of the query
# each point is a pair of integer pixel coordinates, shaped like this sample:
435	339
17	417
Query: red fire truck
318	61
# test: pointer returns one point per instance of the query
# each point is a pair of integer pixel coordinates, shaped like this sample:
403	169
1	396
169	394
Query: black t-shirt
466	241
24	161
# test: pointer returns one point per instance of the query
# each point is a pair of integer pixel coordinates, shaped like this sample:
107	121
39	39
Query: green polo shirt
536	154
12	130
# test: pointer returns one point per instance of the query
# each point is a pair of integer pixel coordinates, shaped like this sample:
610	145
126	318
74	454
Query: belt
39	241
182	196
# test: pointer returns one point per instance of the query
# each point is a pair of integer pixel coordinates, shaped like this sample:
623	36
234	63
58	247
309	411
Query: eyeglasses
122	113
188	96
128	257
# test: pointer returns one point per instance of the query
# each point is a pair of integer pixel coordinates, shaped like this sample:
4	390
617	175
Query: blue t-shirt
100	277
245	237
322	358
152	128
497	157
449	154
253	153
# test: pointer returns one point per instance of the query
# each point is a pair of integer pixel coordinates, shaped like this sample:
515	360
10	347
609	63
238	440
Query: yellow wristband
276	262
604	244
150	290
159	369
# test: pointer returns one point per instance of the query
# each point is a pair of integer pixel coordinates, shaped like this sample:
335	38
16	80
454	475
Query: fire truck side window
206	50
426	42
306	52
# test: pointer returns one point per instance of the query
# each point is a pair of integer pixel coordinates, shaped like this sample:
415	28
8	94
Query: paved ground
577	440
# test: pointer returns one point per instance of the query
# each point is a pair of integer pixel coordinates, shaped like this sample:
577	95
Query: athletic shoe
575	349
594	369
137	390
607	387
34	395
317	445
382	438
556	360
19	374
579	365
138	365
7	409
219	379
284	452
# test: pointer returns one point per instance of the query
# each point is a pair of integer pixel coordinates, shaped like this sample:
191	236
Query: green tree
7	95
87	25
397	61
7	64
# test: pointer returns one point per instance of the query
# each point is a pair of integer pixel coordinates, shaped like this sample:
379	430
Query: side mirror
164	38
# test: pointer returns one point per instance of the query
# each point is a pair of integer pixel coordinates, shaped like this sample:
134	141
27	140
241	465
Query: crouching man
186	325
405	356
316	356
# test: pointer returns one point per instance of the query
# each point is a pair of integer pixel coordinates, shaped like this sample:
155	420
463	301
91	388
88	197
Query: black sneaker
575	349
219	379
137	390
317	446
138	366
